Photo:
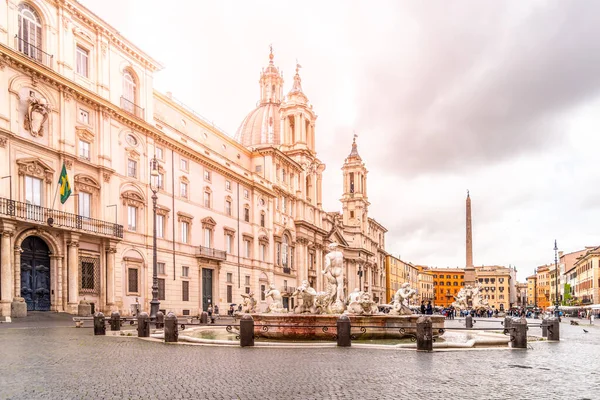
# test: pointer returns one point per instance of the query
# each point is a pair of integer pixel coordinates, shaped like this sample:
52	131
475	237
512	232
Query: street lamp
360	274
154	303
556	302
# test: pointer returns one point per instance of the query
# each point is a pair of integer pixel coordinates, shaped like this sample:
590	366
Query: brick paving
46	360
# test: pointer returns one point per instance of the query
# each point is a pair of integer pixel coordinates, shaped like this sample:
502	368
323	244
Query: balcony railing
287	270
209	252
42	215
287	289
33	52
132	108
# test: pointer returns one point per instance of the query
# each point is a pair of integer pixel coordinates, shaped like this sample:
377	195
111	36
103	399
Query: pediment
33	166
209	221
132	153
133	198
85	133
86	183
336	236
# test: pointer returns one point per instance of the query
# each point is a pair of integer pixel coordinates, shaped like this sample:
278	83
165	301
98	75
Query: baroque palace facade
233	215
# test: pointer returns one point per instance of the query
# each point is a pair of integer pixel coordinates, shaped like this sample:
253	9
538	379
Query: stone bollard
469	322
171	332
18	308
160	320
544	326
424	334
84	309
343	331
507	323
99	324
143	325
115	321
204	317
553	329
518	335
246	331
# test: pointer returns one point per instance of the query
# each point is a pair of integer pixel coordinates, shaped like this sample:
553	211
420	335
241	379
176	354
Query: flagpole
55	194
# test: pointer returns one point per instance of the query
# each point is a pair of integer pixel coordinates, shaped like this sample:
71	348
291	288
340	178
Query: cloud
482	84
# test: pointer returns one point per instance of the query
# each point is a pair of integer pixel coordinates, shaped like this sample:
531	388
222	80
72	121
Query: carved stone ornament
104	47
3	141
208	222
85	183
131	198
3	63
35	167
111	250
106	177
184	217
36	115
68	164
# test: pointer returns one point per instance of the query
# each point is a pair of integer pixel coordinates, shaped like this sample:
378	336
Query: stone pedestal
18	308
84	309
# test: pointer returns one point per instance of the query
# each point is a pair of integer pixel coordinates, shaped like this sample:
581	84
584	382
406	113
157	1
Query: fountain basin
324	326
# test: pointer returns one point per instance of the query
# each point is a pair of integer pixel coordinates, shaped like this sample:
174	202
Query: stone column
110	276
17	268
73	267
319	190
60	278
6	274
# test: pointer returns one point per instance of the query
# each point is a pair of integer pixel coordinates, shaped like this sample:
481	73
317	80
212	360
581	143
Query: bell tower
355	202
271	83
298	118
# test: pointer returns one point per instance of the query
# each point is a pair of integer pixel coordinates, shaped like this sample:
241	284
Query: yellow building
543	286
495	282
588	278
425	285
532	291
446	283
397	273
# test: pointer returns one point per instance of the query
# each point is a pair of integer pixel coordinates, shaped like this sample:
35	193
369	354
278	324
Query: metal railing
33	52
132	108
42	215
211	253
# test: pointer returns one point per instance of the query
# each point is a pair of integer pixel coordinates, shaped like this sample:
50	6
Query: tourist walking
429	308
422	307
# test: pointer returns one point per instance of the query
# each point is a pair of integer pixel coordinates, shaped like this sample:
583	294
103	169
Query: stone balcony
42	216
208	253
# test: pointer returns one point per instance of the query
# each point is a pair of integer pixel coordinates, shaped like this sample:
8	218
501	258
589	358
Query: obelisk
469	268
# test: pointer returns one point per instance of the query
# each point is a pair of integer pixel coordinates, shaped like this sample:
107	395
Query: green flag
65	188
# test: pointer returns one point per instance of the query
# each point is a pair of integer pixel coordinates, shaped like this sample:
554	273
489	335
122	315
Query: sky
498	98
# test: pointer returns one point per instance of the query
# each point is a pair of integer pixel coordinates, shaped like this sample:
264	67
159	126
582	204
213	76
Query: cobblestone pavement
58	362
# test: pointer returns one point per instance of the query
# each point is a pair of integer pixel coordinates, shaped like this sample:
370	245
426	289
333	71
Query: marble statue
334	266
249	304
470	297
307	294
400	304
276	306
323	300
360	303
37	113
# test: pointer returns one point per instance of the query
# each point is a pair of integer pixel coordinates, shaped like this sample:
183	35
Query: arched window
30	32
284	251
129	91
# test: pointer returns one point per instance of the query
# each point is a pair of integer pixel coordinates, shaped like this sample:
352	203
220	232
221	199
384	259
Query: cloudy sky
500	98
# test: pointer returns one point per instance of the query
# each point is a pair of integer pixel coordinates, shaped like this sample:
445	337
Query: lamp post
360	274
154	303
556	302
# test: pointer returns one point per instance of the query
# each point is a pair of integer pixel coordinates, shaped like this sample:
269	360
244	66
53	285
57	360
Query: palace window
90	274
247	248
229	277
228	243
132	168
30	32
227	185
207	237
160	226
228	207
185	271
183	189
160	268
84	149
158	153
185	229
246	214
129	91
263	252
132	218
161	289
185	291
132	280
207	175
183	164
262	219
84	116
207	199
82	61
84	204
33	191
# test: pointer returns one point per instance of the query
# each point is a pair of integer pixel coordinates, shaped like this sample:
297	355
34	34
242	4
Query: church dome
261	126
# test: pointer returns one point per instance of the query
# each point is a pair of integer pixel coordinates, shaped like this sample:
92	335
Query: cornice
101	27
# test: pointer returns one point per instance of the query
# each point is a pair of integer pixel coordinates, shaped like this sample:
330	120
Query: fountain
316	317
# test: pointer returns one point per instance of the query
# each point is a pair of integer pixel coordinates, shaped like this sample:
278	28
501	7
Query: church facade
233	214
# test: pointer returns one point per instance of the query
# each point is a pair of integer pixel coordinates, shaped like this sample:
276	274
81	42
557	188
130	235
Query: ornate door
35	274
207	288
